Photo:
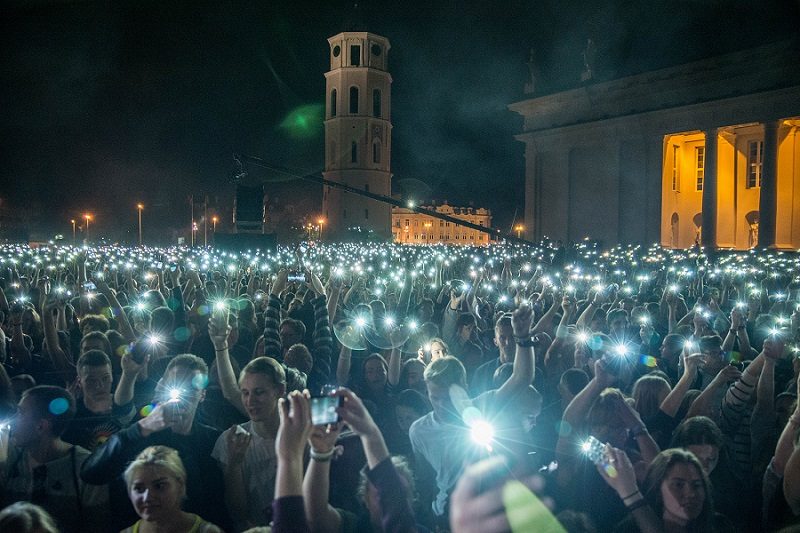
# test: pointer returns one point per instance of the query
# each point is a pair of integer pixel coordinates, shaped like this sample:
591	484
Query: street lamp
320	221
214	223
519	228
72	221
139	207
88	217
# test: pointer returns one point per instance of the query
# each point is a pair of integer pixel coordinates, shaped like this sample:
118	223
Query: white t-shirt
260	465
447	448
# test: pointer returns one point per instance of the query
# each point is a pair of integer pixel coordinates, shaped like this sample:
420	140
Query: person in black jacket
168	421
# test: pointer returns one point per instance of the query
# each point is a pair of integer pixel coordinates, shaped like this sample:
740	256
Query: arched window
333	103
376	152
354	152
354	100
376	103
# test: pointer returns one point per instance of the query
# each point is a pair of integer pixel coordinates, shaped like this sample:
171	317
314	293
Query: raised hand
521	320
295	415
355	415
238	440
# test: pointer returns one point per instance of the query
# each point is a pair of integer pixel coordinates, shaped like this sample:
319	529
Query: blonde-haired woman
156	482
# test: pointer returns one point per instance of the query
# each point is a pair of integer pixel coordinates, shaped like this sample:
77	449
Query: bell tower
358	133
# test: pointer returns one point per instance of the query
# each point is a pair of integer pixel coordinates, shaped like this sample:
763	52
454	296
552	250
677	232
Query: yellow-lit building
410	227
704	152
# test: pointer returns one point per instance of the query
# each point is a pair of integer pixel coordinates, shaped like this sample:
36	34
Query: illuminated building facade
410	227
358	134
703	152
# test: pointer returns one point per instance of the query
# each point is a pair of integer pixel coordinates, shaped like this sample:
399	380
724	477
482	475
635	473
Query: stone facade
704	151
410	227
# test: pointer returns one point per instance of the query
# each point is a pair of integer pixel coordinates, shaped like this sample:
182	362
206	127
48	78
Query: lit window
700	165
676	177
755	159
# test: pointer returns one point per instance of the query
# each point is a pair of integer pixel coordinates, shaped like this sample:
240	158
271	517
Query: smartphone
323	409
173	267
138	352
89	286
295	277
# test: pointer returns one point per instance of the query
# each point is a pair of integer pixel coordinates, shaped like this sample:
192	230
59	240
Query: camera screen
323	410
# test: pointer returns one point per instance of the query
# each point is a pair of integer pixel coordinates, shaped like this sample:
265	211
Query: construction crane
241	172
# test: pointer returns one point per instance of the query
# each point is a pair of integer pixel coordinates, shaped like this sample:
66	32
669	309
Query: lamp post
88	217
519	228
72	221
139	207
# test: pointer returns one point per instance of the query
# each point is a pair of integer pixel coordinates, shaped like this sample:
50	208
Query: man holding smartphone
168	421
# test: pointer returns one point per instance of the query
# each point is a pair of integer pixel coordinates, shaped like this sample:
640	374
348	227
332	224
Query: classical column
709	206
768	199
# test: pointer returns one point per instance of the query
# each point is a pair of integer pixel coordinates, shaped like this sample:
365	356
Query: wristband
526	344
631	495
321	457
220	349
638	504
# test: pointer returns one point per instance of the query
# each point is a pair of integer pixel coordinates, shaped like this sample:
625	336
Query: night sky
105	104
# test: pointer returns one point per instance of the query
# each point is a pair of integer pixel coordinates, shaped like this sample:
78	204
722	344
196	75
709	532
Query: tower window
333	103
376	152
354	100
355	55
376	103
755	159
354	152
700	165
366	213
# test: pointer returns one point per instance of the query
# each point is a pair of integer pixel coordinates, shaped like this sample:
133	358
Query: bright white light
361	321
482	433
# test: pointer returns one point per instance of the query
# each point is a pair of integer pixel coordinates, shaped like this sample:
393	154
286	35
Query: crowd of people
378	387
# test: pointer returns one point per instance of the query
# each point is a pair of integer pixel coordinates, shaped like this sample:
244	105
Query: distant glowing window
354	152
676	176
333	103
376	103
700	165
755	159
354	100
355	55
